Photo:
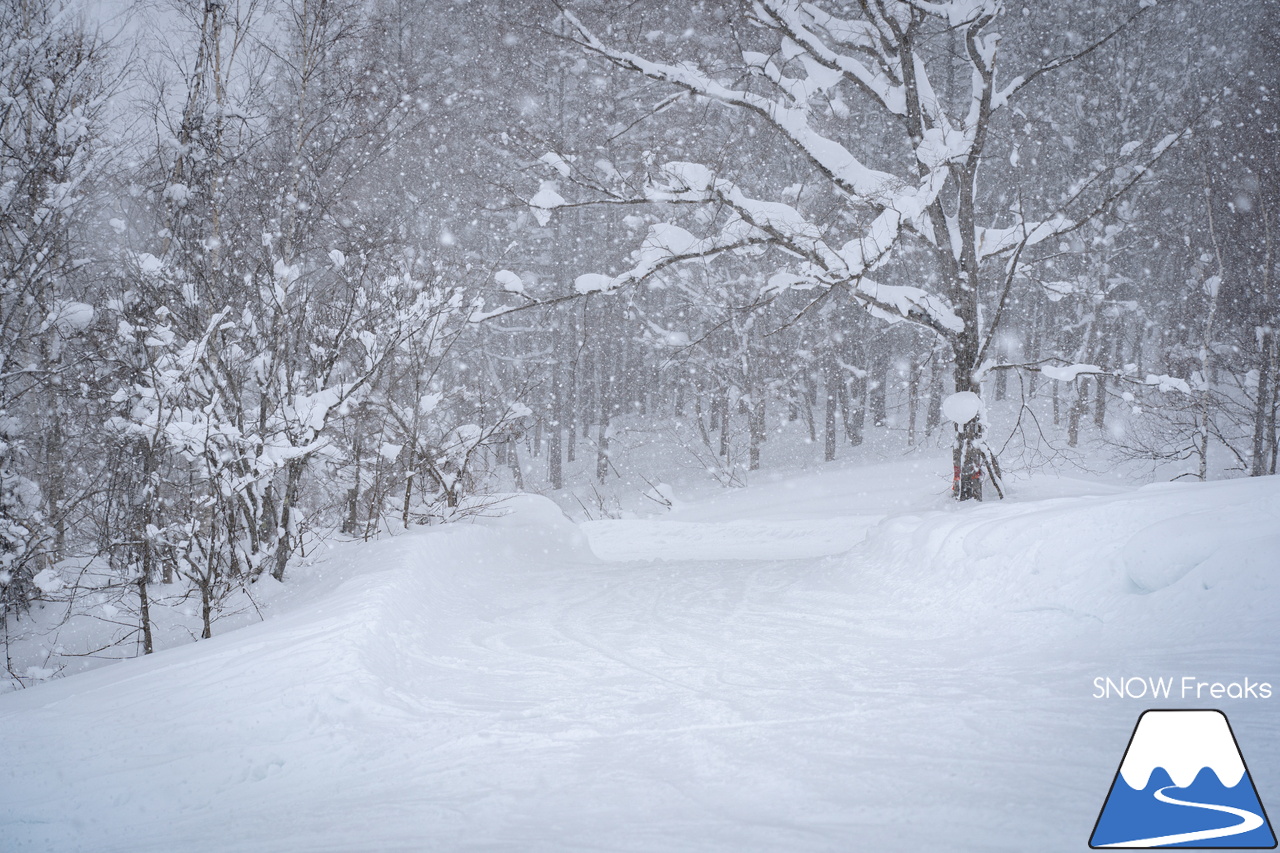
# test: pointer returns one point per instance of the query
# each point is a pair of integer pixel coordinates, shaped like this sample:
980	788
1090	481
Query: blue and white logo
1183	783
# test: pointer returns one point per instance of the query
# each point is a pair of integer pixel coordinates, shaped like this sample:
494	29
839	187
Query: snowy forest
719	425
278	271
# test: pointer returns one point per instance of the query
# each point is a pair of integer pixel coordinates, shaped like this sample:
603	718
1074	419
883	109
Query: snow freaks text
1186	687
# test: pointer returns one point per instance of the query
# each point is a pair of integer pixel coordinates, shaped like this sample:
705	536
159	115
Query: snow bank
305	711
533	526
1200	550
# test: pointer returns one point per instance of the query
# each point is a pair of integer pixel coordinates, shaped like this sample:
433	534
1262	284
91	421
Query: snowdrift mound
402	641
813	514
534	526
1198	548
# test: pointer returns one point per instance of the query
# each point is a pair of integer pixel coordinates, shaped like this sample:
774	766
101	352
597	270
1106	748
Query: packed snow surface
829	662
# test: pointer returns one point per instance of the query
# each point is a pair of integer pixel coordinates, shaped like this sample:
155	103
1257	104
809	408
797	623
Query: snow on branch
664	246
862	35
1068	373
795	22
753	222
909	208
545	200
780	223
1072	372
836	161
958	13
791	230
786	227
996	241
899	302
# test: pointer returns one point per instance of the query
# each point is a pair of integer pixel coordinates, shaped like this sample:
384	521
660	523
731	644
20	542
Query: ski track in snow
867	667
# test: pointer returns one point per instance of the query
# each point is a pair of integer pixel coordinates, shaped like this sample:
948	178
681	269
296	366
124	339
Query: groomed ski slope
836	661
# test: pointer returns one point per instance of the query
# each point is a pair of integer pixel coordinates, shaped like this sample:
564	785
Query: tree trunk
842	397
1270	428
967	459
604	392
410	473
351	521
933	415
807	410
588	391
53	484
602	448
285	535
1264	411
1035	342
569	393
1078	404
857	400
913	397
555	457
879	385
831	382
206	608
967	452
701	422
722	409
144	612
1106	352
513	460
1100	402
755	426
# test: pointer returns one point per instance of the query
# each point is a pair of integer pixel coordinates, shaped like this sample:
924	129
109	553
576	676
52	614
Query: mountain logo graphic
1183	783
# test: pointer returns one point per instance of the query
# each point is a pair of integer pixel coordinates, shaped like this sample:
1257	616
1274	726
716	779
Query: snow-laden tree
52	94
893	107
261	285
1252	129
19	508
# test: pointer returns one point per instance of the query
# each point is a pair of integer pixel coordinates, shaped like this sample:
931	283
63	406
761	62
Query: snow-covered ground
830	661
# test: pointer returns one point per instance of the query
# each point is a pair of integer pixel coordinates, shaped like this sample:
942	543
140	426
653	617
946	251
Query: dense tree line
272	269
